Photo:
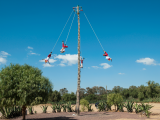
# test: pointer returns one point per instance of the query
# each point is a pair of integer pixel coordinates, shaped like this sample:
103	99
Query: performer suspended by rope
82	62
63	47
47	59
107	57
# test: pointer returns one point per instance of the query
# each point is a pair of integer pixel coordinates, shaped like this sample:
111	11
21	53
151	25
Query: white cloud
33	53
67	59
30	47
48	65
4	54
105	65
50	60
88	67
62	65
2	60
121	73
95	67
144	68
146	61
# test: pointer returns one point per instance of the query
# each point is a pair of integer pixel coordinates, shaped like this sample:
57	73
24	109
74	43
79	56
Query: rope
93	31
70	28
62	30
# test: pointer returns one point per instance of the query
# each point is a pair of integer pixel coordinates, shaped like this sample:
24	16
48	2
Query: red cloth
105	54
81	61
63	45
109	59
49	55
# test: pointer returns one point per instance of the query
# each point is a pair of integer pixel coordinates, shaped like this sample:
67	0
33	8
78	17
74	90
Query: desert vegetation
26	87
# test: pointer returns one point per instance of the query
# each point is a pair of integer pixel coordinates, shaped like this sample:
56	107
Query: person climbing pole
63	47
82	62
47	59
107	57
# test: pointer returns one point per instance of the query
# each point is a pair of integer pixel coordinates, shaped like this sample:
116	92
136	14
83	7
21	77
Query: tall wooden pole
78	86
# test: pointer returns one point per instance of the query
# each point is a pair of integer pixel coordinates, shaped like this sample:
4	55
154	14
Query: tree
117	89
63	91
125	93
114	99
82	93
25	86
69	97
89	91
91	97
133	91
152	89
142	90
101	90
55	96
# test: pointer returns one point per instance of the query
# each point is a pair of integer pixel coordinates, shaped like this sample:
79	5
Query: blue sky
129	31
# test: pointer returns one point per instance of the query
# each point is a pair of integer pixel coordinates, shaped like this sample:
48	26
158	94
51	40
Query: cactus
129	106
44	108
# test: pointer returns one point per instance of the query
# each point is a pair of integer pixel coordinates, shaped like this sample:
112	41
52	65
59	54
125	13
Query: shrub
140	96
84	103
114	99
102	106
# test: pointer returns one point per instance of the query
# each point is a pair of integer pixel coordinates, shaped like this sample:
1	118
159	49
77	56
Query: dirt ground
95	115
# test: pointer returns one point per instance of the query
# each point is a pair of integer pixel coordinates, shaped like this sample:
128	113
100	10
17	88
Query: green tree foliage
69	97
63	91
25	86
141	96
55	96
89	91
91	97
84	104
142	91
133	91
125	93
117	89
82	93
152	90
114	99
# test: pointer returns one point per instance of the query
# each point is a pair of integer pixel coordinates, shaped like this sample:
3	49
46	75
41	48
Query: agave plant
58	107
53	108
129	106
120	107
64	107
89	107
145	108
136	107
30	110
68	106
101	106
44	108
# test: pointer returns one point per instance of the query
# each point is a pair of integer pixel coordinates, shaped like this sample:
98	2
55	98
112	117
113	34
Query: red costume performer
82	62
107	57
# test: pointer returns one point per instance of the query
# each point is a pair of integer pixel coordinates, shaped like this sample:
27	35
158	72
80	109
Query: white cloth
47	59
81	65
107	57
63	50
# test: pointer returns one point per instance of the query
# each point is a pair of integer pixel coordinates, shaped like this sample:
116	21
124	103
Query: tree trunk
23	112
